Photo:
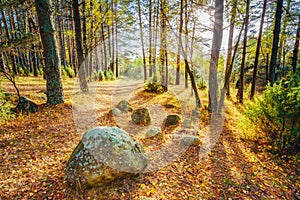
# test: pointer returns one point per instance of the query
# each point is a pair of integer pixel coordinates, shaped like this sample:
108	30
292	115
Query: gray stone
154	131
171	120
124	106
115	111
25	105
190	140
103	155
187	123
141	116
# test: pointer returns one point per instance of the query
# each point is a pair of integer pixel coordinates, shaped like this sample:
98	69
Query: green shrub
202	85
70	71
154	87
5	106
95	75
277	113
109	75
101	76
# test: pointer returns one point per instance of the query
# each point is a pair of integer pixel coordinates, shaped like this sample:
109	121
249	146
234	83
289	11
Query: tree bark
150	38
52	61
142	40
276	34
229	71
257	50
187	67
240	94
230	39
79	48
215	52
296	47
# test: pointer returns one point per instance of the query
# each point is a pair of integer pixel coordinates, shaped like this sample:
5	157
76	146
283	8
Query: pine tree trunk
162	40
187	67
276	34
150	38
79	48
142	40
52	61
230	39
296	47
215	52
257	50
229	71
240	94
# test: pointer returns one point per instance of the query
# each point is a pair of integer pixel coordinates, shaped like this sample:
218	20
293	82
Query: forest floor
35	148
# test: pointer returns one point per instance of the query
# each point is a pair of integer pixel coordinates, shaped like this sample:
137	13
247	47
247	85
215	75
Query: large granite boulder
103	155
25	105
141	116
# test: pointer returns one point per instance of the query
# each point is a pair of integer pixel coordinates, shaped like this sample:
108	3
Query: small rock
187	123
169	105
115	111
124	106
154	131
190	140
171	120
25	105
176	136
196	113
141	116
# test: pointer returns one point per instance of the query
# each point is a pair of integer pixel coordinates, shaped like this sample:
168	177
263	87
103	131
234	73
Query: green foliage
106	75
101	76
202	85
154	87
5	106
277	113
67	72
109	75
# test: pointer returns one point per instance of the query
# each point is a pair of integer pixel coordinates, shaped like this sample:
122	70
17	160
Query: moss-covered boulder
103	155
25	105
141	117
124	106
171	120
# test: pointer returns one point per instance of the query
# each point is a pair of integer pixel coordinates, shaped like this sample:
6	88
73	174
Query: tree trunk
52	61
186	20
187	67
229	71
267	69
240	94
283	37
117	51
276	34
155	43
230	39
104	57
215	52
296	47
177	81
150	38
142	40
162	40
79	48
257	50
